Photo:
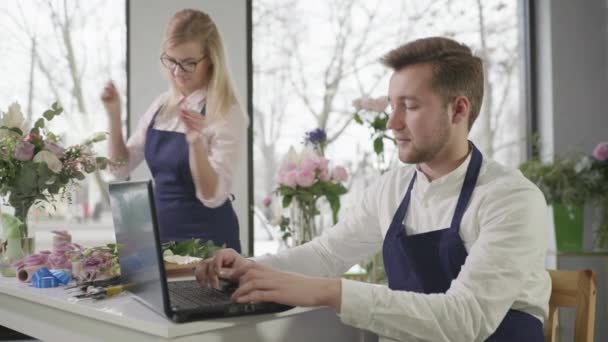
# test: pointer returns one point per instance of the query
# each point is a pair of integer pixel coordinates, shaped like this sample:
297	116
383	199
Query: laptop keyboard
189	294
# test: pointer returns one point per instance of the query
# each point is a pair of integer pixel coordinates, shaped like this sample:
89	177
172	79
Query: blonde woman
190	136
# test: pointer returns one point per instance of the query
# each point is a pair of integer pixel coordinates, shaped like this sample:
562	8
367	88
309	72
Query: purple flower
601	151
24	151
54	148
267	201
316	136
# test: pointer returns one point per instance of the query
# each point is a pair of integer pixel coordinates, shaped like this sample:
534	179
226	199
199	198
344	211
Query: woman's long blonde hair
190	25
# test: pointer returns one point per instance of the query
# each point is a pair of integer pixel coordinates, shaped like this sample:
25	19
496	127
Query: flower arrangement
371	112
303	179
575	181
34	167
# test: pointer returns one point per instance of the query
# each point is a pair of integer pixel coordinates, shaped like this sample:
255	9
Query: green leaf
358	119
334	203
378	145
48	114
102	162
287	200
26	181
39	123
379	123
13	129
52	137
44	175
79	175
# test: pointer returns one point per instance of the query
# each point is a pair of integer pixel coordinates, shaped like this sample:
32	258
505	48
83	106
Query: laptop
143	269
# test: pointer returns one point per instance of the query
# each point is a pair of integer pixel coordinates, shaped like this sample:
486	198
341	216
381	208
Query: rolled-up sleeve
511	244
223	140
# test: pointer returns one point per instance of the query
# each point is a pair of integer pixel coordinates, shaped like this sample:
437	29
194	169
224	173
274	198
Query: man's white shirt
504	230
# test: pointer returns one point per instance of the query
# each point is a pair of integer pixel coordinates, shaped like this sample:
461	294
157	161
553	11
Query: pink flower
371	104
267	201
601	151
339	174
287	166
378	104
324	176
289	179
24	151
309	164
305	178
323	165
54	148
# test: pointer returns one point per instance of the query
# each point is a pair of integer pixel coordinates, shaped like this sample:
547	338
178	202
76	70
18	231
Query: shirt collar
453	176
195	100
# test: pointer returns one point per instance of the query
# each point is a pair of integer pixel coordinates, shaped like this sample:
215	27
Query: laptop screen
137	241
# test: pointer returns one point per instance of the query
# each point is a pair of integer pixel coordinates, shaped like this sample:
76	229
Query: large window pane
65	51
313	58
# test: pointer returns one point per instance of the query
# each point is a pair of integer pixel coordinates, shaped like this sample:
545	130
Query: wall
147	20
572	59
573	82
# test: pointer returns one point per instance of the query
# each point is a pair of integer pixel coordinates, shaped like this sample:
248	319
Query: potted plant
568	185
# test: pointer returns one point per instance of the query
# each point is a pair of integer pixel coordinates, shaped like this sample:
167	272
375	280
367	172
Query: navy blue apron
428	262
181	215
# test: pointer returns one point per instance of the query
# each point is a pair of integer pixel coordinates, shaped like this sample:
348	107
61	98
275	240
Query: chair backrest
575	289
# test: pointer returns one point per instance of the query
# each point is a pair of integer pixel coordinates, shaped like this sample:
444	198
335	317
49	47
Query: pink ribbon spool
25	274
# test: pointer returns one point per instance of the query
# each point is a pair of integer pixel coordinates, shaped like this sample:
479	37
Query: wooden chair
576	289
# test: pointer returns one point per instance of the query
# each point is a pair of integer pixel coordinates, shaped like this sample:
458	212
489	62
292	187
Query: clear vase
304	223
14	250
14	247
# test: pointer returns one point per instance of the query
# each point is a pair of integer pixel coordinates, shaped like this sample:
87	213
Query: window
313	58
65	51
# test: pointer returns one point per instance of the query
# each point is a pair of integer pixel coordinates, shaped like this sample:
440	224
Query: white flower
276	220
583	164
292	156
14	118
50	159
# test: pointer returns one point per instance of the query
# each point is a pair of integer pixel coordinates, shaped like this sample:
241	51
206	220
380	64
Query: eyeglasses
187	66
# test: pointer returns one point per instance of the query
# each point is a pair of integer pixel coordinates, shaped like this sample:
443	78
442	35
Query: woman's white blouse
222	138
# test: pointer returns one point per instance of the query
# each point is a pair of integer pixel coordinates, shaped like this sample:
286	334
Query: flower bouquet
34	167
371	112
302	180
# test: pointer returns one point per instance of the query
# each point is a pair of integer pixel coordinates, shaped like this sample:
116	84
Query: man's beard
422	154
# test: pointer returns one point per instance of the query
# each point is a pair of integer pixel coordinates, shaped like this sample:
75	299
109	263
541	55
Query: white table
53	315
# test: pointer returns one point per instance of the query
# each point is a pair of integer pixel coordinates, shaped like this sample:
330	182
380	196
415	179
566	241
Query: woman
190	136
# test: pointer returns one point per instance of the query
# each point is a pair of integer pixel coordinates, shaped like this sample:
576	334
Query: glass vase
304	224
15	249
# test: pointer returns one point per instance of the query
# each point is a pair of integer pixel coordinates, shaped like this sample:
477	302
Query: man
481	278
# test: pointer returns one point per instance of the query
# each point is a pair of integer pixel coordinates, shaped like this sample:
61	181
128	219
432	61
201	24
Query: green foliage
573	182
192	247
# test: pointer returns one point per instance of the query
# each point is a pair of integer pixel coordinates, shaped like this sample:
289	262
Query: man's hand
258	283
208	272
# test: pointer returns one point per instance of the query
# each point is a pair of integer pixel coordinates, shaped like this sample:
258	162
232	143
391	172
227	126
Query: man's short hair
456	71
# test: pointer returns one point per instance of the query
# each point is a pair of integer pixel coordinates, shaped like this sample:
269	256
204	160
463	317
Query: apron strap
468	186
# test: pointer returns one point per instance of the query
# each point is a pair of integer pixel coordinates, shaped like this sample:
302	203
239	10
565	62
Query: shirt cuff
356	301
